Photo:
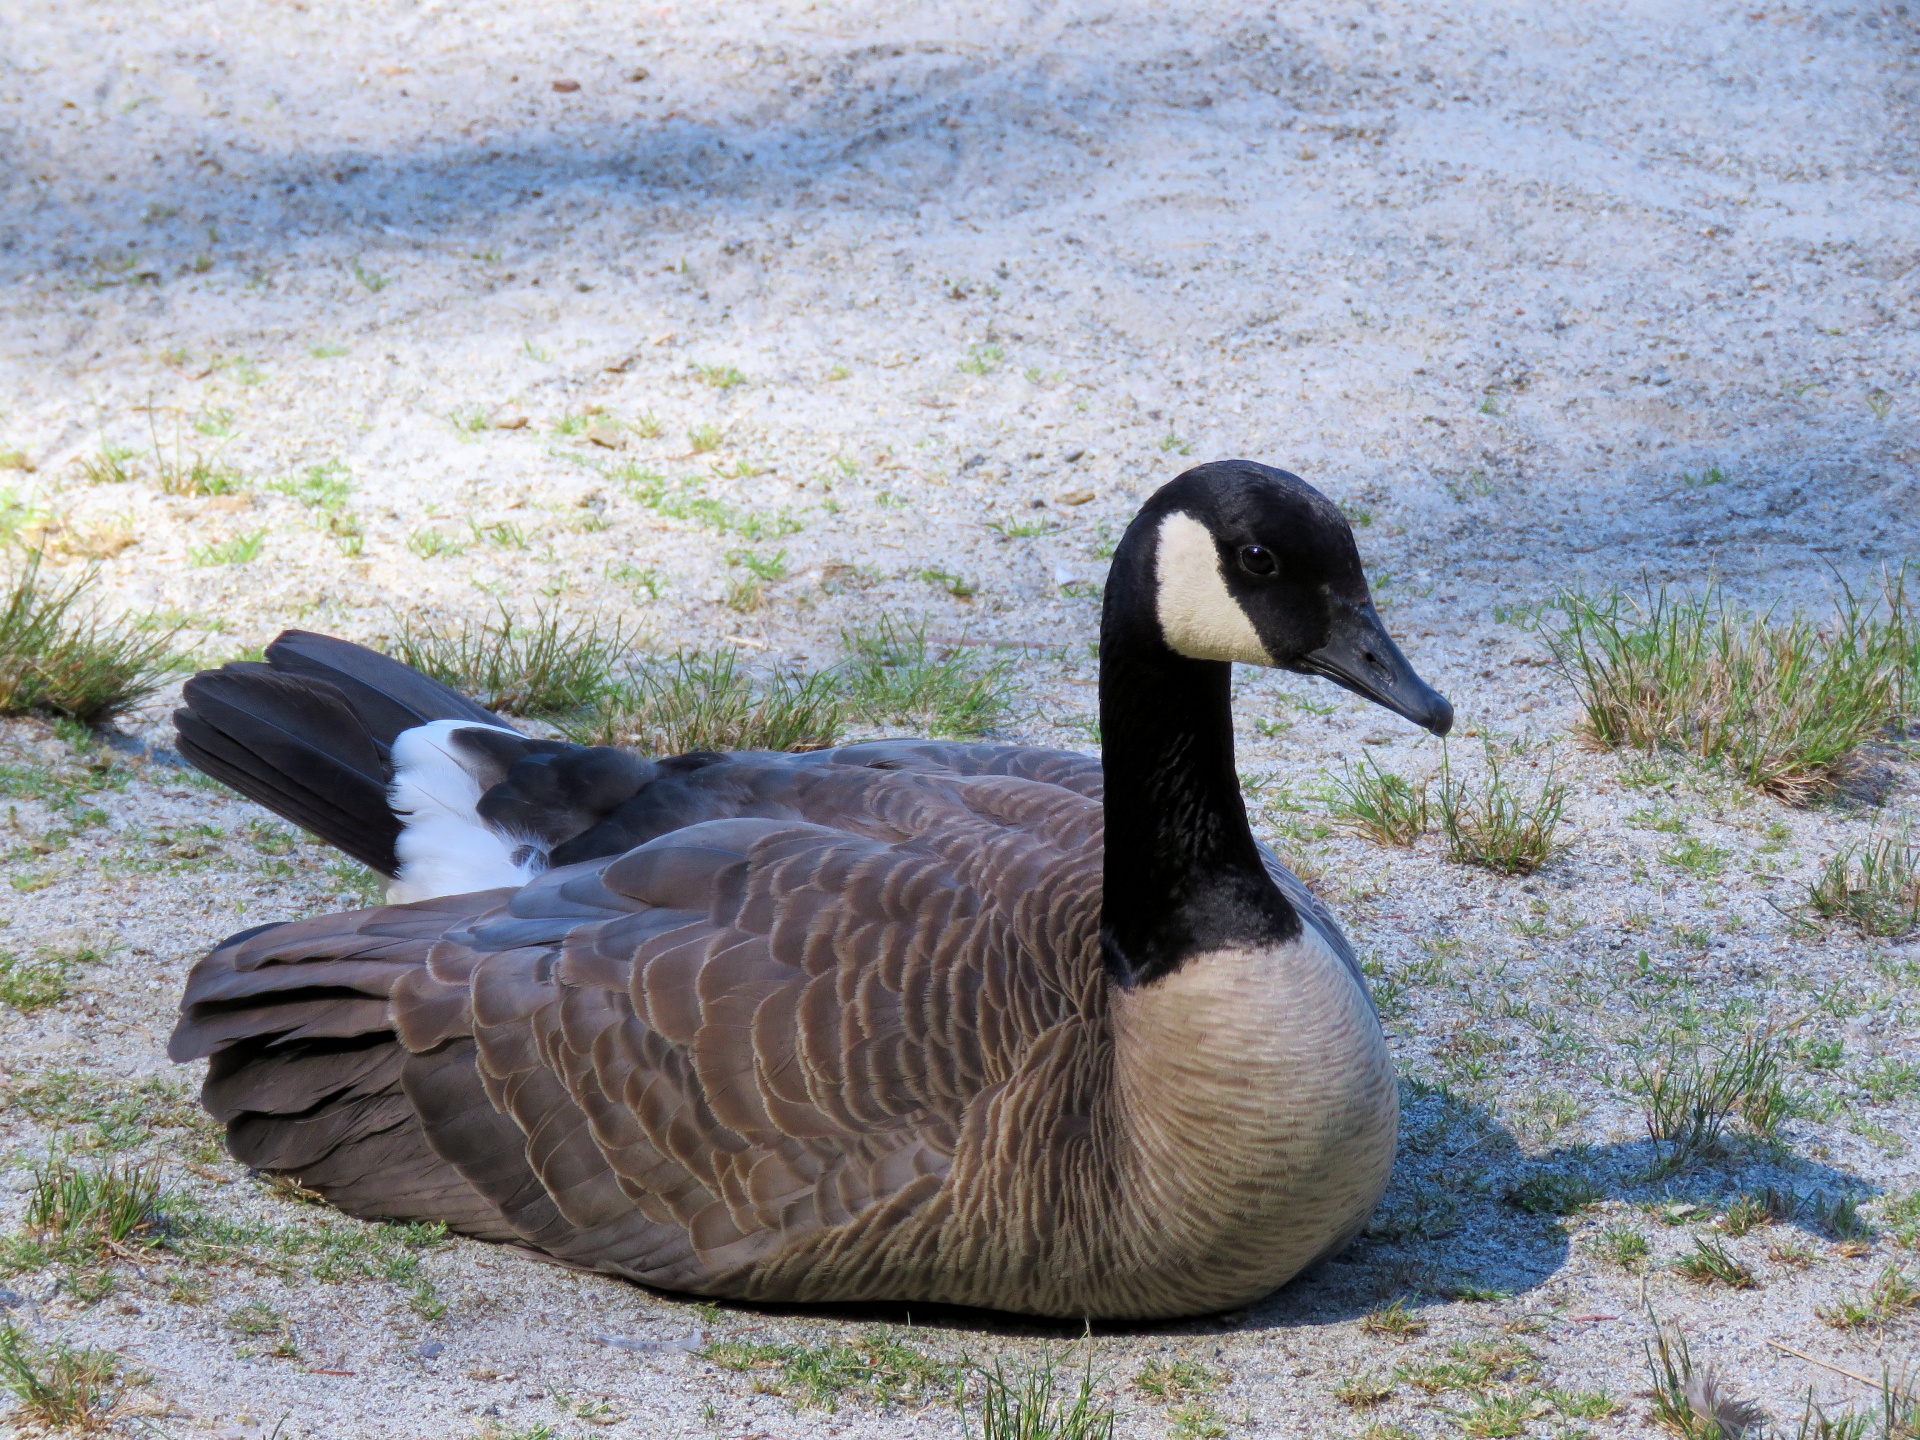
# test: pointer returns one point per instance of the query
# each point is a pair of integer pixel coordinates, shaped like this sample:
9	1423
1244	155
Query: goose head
1239	561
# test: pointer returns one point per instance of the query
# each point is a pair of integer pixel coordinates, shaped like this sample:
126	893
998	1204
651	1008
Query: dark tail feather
387	696
309	733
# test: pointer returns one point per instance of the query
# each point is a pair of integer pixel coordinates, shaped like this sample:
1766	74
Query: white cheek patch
1198	615
444	847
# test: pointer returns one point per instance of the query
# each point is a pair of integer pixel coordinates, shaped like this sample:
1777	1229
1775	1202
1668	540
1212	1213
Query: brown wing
740	1043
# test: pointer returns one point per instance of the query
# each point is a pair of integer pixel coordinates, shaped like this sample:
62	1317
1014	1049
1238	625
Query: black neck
1183	875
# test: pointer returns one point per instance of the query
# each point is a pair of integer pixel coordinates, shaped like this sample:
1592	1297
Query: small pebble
566	87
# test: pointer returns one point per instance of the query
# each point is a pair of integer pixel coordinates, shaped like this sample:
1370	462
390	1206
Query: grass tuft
1785	705
61	1386
1169	1380
98	1208
1691	1092
1711	1263
1032	1404
893	675
33	984
1693	1403
1381	805
1393	1322
1495	824
1892	1295
240	550
696	700
57	659
1873	887
547	666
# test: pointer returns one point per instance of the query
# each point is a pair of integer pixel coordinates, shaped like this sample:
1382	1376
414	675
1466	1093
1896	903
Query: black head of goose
903	1020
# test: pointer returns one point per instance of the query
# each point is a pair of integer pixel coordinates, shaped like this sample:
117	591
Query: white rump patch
1198	615
444	847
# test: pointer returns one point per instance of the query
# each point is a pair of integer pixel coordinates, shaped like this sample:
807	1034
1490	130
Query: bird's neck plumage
1183	875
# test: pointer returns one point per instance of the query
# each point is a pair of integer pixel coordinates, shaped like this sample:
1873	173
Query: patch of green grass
1622	1245
720	377
549	665
1696	857
686	500
1749	1212
359	884
876	1368
700	700
1495	1415
894	675
326	486
60	1386
431	544
1874	887
1889	1079
82	1216
1164	1381
1196	1420
760	566
1690	1092
1711	1263
1379	804
640	579
1029	1402
33	984
702	439
502	534
373	280
1783	704
329	1249
192	474
92	1112
1393	1322
1022	529
1474	1365
1554	1192
1171	443
1892	1295
257	1320
240	550
1497	825
983	359
59	659
108	466
954	585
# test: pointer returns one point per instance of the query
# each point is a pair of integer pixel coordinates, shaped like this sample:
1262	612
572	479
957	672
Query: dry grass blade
57	659
1784	704
696	700
547	666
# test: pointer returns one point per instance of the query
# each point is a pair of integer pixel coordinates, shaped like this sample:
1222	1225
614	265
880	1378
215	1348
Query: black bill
1360	656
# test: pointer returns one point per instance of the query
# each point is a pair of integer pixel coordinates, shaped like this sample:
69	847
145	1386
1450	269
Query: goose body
902	1020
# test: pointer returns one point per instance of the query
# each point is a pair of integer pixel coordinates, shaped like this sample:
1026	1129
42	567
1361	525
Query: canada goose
885	1022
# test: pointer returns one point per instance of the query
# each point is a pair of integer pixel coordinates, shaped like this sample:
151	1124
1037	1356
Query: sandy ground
1498	278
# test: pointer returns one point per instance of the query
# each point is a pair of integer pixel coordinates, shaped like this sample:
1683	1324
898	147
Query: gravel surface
1545	295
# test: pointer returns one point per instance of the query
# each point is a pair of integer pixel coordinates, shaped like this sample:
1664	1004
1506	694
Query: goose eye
1257	560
